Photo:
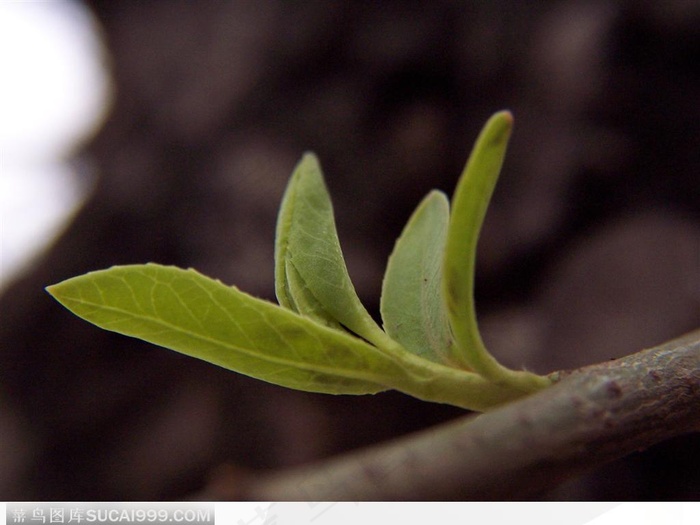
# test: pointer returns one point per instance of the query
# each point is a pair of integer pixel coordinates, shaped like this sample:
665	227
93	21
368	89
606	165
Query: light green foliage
412	308
201	317
431	348
469	205
311	275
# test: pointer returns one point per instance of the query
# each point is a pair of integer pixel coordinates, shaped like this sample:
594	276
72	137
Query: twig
592	416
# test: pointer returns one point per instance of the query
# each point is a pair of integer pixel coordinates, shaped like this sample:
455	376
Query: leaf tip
499	128
309	162
506	115
439	198
60	292
55	290
309	156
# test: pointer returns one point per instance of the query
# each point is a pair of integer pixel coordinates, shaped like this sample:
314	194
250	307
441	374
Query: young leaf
303	300
307	237
187	312
192	314
469	204
284	224
412	307
290	287
302	343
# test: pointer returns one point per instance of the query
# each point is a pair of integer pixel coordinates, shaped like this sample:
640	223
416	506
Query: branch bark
592	416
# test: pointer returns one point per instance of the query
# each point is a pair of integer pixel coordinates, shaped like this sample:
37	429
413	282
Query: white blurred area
54	92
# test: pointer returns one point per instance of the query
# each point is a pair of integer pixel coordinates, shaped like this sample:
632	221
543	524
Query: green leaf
203	318
306	237
303	300
303	343
192	314
412	306
284	224
469	204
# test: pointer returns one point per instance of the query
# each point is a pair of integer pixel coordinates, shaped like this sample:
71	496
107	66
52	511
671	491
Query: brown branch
592	416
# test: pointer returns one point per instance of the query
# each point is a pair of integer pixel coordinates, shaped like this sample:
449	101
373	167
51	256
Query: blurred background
166	131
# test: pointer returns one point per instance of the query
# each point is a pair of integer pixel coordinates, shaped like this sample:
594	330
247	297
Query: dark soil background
591	249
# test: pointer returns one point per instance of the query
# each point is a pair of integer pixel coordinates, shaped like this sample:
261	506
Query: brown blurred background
591	249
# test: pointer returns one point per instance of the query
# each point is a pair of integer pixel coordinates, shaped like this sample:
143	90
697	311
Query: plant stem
439	383
594	415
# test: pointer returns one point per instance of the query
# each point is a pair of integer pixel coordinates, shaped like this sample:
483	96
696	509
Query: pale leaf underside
311	274
412	306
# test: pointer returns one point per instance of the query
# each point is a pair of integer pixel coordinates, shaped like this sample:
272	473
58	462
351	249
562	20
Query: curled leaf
303	300
307	244
469	204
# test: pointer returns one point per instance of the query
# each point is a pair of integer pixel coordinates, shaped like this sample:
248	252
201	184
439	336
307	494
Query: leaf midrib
200	337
